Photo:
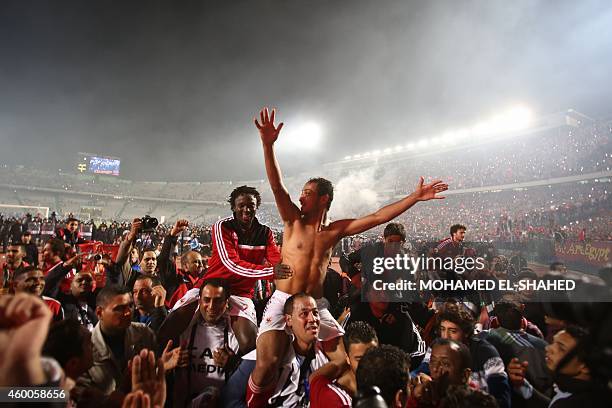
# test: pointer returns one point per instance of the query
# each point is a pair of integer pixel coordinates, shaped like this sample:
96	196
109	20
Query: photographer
148	262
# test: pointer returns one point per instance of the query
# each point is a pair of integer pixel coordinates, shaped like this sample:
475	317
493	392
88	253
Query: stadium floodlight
513	120
409	146
357	156
423	143
367	154
387	150
436	140
399	148
376	153
348	157
305	136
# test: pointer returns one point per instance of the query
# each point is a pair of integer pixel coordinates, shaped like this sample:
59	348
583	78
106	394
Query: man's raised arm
423	192
269	133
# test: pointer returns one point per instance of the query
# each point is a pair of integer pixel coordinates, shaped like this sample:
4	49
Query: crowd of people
136	314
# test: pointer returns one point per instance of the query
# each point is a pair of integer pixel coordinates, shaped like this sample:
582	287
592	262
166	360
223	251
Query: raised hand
137	399
267	131
149	377
425	192
24	323
170	358
134	229
180	226
159	294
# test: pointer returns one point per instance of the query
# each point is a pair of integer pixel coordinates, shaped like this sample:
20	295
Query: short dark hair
465	358
58	246
509	314
359	332
457	227
72	219
26	233
109	292
555	265
454	313
324	187
395	228
154	279
244	190
288	307
217	283
583	343
386	367
458	396
21	246
65	341
22	271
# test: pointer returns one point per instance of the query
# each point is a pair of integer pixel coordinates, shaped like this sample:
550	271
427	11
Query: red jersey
324	393
447	248
242	259
55	306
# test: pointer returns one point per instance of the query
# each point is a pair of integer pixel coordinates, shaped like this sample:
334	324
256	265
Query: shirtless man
308	240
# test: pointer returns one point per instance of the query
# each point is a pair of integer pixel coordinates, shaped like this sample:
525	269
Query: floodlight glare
306	136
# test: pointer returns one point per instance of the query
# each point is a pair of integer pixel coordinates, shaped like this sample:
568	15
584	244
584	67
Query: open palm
267	130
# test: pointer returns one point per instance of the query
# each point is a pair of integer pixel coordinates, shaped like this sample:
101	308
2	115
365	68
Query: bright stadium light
367	154
409	146
399	148
305	136
347	157
376	153
387	150
357	156
423	143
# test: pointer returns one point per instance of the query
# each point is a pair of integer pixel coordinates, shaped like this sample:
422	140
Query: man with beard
308	240
14	263
32	280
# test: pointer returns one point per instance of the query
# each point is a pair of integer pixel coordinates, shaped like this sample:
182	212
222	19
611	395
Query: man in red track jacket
243	252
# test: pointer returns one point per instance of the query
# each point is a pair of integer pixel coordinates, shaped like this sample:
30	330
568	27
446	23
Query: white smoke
354	196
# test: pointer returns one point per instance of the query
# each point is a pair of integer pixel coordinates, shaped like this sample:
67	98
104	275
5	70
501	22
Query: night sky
172	88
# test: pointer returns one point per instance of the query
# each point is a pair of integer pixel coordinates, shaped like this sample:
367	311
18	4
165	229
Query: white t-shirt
208	338
288	384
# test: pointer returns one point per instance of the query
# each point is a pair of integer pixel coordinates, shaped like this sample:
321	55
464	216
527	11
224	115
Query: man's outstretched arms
423	192
269	134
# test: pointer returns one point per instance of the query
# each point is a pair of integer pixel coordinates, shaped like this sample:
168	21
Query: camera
95	257
149	223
